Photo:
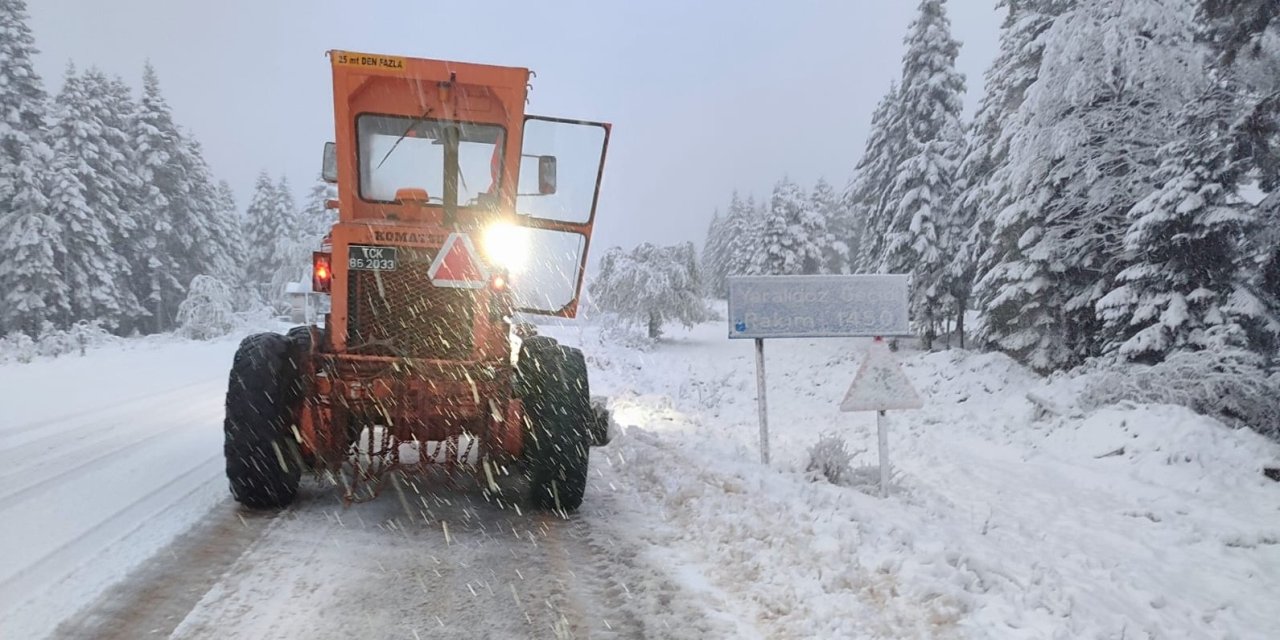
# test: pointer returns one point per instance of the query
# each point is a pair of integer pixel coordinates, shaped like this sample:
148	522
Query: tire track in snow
157	596
7	432
442	560
83	432
40	573
63	474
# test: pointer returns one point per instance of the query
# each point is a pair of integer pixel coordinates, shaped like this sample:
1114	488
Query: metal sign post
813	307
882	435
764	404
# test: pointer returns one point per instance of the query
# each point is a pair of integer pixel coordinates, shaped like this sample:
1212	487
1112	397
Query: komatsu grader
457	213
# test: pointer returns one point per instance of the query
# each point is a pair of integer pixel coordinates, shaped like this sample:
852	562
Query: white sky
705	97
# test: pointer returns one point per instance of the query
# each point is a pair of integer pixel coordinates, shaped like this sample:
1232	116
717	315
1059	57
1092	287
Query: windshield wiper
414	123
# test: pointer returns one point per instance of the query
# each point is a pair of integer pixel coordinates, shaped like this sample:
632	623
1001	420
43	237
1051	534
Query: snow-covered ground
1130	521
103	460
1000	525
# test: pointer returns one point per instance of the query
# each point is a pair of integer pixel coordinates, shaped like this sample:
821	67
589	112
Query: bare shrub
831	458
1227	384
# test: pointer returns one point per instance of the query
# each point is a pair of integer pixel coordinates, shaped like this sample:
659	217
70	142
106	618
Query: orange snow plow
456	212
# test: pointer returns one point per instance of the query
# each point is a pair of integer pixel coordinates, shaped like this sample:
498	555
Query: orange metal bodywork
418	399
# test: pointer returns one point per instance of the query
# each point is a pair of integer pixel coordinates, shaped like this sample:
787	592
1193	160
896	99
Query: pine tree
293	245
34	294
30	241
864	197
1081	154
714	250
981	182
317	218
227	205
22	101
212	223
1264	249
85	198
1181	287
743	230
825	253
922	188
118	113
783	251
1244	36
1238	28
262	227
162	242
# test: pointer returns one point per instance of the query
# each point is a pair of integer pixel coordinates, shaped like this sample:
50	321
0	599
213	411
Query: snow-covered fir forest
1115	195
108	211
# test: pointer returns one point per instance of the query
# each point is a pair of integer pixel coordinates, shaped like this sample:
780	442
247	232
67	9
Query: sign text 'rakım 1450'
818	306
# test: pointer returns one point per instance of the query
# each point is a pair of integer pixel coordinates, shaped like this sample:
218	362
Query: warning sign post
880	385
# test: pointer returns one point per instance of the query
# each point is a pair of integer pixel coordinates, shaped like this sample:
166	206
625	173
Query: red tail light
321	273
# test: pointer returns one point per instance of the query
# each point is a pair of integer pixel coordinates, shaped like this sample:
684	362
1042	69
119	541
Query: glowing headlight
506	245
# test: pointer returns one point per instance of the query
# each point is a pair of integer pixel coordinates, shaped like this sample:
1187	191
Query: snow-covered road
103	459
432	559
115	502
1128	521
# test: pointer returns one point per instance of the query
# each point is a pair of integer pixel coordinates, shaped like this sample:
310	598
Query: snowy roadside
1141	519
1001	525
104	459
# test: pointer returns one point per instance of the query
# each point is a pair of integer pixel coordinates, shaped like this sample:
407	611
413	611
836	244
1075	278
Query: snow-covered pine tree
23	101
825	253
118	113
1083	147
227	204
120	184
294	245
651	284
317	218
714	251
1265	249
215	235
783	247
743	230
160	283
33	294
1244	35
29	240
88	178
262	229
863	202
981	181
1181	286
921	190
1239	28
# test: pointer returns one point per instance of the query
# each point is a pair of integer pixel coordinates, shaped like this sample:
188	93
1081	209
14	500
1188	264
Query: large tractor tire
263	463
558	408
598	423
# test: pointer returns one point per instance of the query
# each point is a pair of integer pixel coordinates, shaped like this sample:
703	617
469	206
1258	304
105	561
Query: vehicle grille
400	313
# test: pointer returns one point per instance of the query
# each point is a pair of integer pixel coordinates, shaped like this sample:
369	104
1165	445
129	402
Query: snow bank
1015	512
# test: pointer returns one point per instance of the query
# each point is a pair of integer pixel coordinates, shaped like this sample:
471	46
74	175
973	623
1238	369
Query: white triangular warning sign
457	265
880	384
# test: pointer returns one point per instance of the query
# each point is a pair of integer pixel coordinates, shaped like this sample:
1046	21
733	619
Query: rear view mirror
546	175
329	166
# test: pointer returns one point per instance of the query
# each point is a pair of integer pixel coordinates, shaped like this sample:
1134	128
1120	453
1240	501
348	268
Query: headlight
506	245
